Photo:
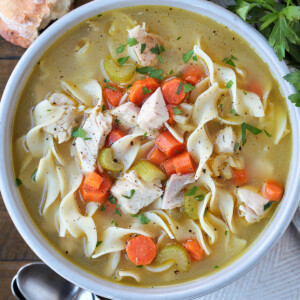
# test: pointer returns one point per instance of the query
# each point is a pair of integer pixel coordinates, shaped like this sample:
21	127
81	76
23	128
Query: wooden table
14	252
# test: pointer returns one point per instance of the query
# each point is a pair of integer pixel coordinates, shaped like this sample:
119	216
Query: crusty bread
20	20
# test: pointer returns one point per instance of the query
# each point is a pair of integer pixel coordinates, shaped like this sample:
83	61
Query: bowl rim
83	278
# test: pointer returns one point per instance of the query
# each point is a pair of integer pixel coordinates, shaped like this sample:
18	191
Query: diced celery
190	203
107	162
118	74
149	171
176	252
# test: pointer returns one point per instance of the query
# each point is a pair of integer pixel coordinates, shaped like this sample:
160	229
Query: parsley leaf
145	90
145	70
192	191
120	49
102	208
139	266
117	121
122	60
144	135
98	243
143	219
131	42
179	88
177	111
118	212
229	84
112	199
103	107
111	87
131	194
253	129
199	197
269	204
186	57
156	74
294	79
234	112
18	181
236	146
244	139
178	38
267	133
188	87
143	47
160	58
115	223
229	60
155	50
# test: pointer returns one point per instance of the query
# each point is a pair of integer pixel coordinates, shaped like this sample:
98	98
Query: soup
151	145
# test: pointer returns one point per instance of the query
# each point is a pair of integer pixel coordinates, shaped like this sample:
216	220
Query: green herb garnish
143	47
146	91
139	266
234	112
188	87
178	38
186	57
269	204
267	133
102	208
131	42
122	60
160	58
192	191
229	84
199	197
179	88
131	194
98	244
177	111
18	181
236	146
143	219
112	199
117	121
229	60
120	49
144	135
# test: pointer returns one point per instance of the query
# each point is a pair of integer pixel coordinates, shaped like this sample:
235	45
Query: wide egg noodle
120	274
158	268
178	135
114	239
113	260
23	155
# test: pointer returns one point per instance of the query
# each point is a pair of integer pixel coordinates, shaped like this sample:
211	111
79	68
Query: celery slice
106	161
148	171
118	74
176	252
190	203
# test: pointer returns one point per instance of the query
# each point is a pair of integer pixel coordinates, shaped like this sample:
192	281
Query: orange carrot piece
194	249
192	74
255	87
114	136
113	96
171	113
168	144
172	91
272	190
156	156
96	195
168	166
240	177
136	93
141	250
93	180
183	163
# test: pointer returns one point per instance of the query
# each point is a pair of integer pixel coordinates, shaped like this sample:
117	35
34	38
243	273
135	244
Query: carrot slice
137	94
255	87
170	108
183	163
240	177
192	74
168	166
93	180
141	250
156	156
272	190
113	94
114	136
168	144
194	249
172	91
96	195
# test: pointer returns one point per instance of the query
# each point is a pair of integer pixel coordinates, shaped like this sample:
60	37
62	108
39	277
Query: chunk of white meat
61	130
147	58
225	140
173	196
154	112
144	192
251	204
96	127
127	114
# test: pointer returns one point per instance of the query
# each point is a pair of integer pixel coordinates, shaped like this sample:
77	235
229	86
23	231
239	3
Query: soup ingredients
251	204
116	73
154	112
97	127
168	144
156	156
93	180
141	250
142	89
114	136
194	249
107	161
192	74
272	190
176	252
183	163
173	91
192	200
240	176
144	192
112	94
90	193
226	140
148	171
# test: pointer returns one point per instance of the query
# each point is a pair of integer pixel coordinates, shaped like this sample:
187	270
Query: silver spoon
37	281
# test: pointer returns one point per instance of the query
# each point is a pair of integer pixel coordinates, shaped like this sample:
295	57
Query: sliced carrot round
192	74
173	91
240	177
194	249
141	250
272	190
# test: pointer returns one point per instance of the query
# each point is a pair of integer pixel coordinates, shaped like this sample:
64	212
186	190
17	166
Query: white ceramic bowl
82	278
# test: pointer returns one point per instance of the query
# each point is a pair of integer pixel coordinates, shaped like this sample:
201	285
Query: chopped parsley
33	176
155	50
118	212
229	84
145	70
143	47
121	61
178	38
156	74
111	87
120	49
216	267
102	208
192	191
160	58
244	139
18	181
144	135
229	60
129	86
177	111
251	128
146	91
162	49
117	121
171	72
268	205
100	15
199	197
186	57
245	93
103	107
131	42
234	112
112	199
188	87
267	133
131	194
98	244
139	266
226	232
179	88
79	133
143	219
195	58
236	146
115	223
